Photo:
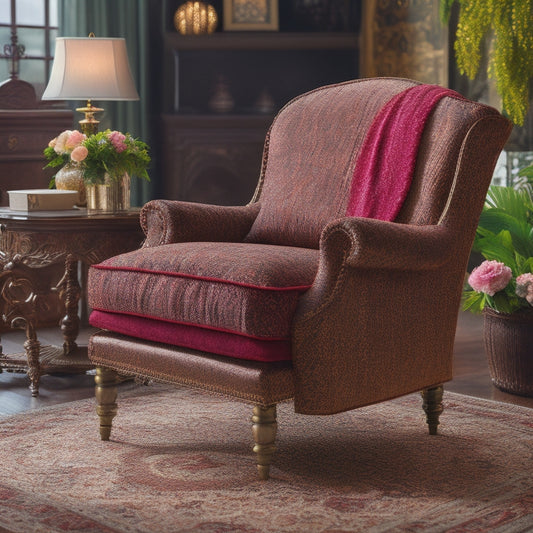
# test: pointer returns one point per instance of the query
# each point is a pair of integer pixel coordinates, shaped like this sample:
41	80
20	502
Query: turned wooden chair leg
264	430
432	405
106	381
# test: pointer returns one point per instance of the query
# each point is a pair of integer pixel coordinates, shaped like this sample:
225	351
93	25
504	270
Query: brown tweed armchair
298	295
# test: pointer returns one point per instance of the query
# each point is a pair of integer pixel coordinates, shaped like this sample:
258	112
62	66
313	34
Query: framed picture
251	15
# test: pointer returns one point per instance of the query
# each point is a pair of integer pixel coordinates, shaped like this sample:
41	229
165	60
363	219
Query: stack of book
42	199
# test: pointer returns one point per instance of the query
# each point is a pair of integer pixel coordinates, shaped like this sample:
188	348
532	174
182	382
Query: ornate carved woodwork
32	248
26	128
17	94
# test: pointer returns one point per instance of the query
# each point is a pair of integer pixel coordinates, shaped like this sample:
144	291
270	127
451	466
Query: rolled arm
370	243
379	319
168	221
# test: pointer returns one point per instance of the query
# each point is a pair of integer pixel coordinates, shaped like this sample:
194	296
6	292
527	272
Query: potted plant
501	287
99	166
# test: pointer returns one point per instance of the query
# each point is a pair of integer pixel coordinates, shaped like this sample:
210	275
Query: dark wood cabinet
24	133
221	94
26	128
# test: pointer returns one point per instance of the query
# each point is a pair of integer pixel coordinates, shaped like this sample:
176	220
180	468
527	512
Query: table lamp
87	68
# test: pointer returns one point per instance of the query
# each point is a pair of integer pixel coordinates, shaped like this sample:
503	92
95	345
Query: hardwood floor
15	395
471	374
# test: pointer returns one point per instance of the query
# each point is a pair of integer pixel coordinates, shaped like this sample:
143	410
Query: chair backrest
313	145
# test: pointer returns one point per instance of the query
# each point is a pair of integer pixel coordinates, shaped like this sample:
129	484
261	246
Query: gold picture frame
251	15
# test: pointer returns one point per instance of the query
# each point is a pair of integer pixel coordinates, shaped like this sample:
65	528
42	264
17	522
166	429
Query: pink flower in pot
524	287
490	277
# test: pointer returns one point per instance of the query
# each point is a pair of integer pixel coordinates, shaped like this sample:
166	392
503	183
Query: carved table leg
264	430
70	325
432	405
32	348
106	393
18	293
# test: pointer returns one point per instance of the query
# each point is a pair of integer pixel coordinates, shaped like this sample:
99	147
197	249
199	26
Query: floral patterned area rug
181	461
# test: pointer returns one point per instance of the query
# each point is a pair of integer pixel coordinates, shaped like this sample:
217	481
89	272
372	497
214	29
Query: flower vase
70	178
112	196
508	342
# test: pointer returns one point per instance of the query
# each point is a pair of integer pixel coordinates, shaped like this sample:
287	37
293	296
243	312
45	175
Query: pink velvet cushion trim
194	337
385	167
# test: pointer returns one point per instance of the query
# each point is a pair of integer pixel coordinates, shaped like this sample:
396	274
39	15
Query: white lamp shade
87	68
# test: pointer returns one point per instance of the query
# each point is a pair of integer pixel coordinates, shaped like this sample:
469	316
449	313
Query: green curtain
129	19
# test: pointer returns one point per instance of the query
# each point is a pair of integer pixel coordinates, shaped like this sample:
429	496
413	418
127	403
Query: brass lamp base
89	125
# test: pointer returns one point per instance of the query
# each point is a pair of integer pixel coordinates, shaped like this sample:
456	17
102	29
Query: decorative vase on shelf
70	178
508	342
195	18
112	196
221	101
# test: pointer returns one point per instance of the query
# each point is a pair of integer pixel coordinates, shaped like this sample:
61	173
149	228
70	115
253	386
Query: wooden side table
31	245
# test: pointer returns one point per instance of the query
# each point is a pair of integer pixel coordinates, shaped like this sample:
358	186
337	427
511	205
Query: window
33	24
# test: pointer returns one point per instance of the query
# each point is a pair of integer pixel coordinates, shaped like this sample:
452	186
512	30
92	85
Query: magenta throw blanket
384	169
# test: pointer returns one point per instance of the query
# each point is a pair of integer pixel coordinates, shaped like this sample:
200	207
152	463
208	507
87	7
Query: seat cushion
244	296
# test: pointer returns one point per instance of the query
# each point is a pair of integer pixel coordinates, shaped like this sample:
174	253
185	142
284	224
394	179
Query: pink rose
74	139
490	277
524	287
117	140
79	154
61	140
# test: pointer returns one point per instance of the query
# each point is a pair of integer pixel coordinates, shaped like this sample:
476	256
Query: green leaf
527	266
527	172
515	202
497	248
473	301
502	303
518	231
508	209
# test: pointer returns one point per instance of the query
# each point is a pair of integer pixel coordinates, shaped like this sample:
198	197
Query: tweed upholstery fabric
408	281
307	179
378	319
165	221
259	383
300	168
247	289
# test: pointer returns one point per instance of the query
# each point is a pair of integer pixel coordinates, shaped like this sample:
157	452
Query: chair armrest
379	320
361	243
168	221
370	243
